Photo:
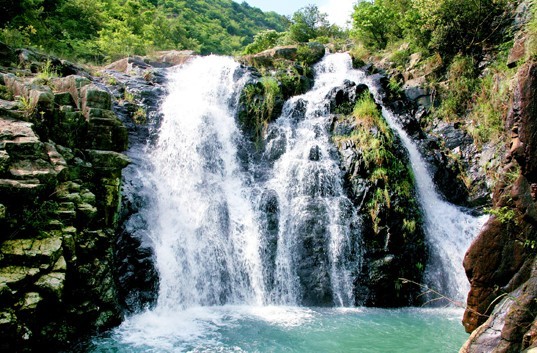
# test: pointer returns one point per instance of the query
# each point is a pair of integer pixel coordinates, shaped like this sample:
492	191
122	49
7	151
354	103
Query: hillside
101	30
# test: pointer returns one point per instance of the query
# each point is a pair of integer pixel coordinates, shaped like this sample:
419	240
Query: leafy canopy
100	30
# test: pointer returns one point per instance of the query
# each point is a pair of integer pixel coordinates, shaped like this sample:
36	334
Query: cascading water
319	229
229	243
205	235
449	229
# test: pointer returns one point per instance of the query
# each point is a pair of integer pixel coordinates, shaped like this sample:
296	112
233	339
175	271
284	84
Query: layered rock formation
60	181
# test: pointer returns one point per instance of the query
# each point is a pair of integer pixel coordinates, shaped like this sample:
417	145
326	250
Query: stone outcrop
393	244
501	262
60	180
290	69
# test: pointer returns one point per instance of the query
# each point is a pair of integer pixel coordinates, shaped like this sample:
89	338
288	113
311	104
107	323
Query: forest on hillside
104	30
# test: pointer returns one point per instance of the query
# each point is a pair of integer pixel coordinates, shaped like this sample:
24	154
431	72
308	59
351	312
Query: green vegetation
448	26
98	30
259	101
47	73
392	180
449	38
307	25
504	214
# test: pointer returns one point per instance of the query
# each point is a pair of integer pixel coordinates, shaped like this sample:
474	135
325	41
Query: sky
339	11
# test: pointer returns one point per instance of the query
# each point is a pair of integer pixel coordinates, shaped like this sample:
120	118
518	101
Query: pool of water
287	329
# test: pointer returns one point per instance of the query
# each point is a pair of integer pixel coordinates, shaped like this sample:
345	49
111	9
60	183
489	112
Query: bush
264	40
462	26
460	87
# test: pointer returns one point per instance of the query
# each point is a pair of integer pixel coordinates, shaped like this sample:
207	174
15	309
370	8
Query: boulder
33	169
71	84
94	97
171	57
17	190
13	278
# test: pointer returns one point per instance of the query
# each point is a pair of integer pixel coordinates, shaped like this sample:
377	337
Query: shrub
264	40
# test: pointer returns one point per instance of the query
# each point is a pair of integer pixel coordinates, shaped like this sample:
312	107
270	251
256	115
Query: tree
461	26
308	23
374	24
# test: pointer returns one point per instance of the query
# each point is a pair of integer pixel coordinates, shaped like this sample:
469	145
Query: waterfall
204	228
318	226
308	182
448	228
283	232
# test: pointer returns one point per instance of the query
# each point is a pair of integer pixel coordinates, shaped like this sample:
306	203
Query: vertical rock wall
501	264
60	178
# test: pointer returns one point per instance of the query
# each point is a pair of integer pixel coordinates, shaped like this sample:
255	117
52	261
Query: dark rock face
501	262
392	242
60	179
137	85
342	99
313	262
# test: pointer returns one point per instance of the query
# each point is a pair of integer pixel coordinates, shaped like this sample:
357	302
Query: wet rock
342	98
313	264
270	211
276	144
315	154
298	110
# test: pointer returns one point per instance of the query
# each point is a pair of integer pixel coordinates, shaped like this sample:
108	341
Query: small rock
31	301
315	154
52	283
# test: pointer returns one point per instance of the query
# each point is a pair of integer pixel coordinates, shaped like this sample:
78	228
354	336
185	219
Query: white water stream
205	232
208	230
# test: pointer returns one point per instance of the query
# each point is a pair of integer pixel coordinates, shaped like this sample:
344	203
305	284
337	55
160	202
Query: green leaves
374	24
109	29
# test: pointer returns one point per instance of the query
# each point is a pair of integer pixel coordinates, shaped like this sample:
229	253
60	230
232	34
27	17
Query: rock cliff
60	182
501	264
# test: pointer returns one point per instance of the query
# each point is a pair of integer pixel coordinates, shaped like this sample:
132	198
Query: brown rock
266	58
71	84
174	57
523	114
490	264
